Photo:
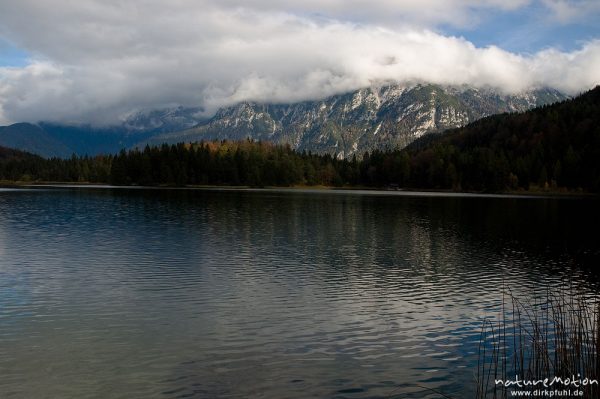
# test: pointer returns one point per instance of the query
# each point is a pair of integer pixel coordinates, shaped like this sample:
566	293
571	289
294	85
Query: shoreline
316	188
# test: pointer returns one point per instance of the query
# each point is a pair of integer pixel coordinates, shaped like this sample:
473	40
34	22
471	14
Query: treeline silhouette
205	163
552	147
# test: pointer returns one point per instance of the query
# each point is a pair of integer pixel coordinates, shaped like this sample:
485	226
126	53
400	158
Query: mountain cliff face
164	120
378	117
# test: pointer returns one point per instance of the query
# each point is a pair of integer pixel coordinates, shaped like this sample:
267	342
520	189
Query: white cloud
391	12
566	11
96	61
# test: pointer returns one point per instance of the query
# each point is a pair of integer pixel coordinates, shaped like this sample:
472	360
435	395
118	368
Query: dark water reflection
233	294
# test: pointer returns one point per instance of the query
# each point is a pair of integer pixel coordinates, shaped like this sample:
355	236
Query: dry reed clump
546	344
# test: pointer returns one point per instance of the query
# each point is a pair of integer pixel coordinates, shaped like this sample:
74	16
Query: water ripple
225	294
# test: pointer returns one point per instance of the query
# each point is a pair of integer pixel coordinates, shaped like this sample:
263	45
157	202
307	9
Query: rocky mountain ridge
382	117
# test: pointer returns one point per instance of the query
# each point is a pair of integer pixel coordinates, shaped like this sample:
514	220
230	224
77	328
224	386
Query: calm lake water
133	293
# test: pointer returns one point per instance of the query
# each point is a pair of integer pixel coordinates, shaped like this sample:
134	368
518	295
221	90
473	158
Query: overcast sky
99	60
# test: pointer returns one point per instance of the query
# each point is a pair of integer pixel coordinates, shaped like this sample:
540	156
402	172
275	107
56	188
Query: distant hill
552	146
19	165
32	138
51	140
59	140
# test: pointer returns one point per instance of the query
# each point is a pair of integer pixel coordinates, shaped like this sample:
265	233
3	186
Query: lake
160	293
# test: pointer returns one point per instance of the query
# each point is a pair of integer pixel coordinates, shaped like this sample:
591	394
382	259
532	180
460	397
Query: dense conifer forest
553	147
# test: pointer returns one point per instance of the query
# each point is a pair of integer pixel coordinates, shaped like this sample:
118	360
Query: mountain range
379	117
550	148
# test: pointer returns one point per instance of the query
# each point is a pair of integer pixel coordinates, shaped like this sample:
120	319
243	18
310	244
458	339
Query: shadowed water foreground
120	293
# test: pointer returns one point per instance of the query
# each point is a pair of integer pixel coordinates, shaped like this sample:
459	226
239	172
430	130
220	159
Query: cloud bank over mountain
96	61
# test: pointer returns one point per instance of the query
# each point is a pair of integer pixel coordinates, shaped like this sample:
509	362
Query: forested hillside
551	146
